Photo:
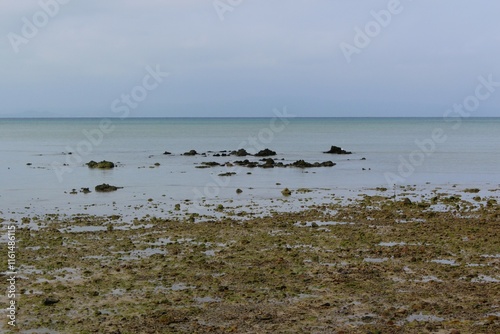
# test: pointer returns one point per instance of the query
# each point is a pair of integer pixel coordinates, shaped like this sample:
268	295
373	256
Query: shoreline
424	263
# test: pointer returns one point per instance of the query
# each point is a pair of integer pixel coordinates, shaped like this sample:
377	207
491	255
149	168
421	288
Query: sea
43	161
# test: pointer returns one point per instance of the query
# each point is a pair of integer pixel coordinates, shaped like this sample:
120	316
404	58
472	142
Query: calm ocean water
468	155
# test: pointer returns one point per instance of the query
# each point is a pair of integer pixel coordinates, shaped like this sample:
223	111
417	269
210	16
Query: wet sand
368	264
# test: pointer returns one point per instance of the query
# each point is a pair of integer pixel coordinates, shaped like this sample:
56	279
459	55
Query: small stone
406	201
50	301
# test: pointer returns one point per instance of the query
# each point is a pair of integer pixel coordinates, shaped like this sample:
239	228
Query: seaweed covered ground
373	265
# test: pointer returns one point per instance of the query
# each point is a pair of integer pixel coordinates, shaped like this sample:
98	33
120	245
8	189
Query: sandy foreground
377	264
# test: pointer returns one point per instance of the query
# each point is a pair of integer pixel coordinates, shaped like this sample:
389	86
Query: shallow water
469	156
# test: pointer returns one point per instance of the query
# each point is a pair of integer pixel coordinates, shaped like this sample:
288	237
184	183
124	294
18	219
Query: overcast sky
244	58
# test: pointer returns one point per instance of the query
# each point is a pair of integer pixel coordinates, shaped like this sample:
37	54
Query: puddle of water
408	270
375	260
321	223
162	241
406	221
209	252
118	292
485	279
496	256
398	279
83	229
132	227
423	317
440	207
137	254
392	244
96	257
218	274
207	300
328	264
426	279
443	261
181	286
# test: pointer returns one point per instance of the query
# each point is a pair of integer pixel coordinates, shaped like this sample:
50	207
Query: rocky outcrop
337	150
106	188
101	165
265	153
191	153
240	153
247	163
304	164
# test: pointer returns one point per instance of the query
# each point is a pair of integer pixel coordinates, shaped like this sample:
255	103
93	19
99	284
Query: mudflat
378	264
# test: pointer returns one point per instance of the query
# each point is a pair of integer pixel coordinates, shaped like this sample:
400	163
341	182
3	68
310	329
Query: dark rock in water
50	301
240	153
301	164
337	150
286	192
327	164
216	155
166	153
239	191
85	190
269	163
265	153
246	163
211	164
192	152
101	165
106	188
228	174
304	164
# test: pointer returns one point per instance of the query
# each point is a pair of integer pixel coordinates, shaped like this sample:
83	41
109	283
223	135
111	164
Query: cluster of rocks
239	153
243	153
99	188
271	163
267	163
